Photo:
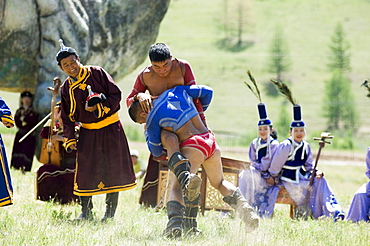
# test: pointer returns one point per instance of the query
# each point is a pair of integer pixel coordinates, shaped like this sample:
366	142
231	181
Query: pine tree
279	60
339	107
340	57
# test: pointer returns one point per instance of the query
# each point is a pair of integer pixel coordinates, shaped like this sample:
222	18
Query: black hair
26	94
134	110
159	52
274	134
68	51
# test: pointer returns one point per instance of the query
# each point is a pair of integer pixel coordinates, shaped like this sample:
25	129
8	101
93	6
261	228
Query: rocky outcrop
113	34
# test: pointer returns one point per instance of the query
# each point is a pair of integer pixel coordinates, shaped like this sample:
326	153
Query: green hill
192	30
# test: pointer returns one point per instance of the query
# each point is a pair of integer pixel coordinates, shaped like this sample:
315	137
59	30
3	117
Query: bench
211	199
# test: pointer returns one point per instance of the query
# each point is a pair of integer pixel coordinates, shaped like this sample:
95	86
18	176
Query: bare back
192	127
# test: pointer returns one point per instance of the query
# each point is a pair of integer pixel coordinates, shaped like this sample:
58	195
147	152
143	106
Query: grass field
191	29
32	222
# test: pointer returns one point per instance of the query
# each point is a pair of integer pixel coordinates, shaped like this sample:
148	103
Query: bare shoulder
148	72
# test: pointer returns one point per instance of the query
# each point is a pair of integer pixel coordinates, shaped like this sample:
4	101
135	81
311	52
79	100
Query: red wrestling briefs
204	142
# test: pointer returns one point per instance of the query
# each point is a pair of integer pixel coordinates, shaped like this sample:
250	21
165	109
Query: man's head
136	113
161	59
159	52
68	60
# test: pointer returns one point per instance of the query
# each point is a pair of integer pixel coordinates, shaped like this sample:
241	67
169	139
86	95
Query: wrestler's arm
189	79
153	137
203	92
139	87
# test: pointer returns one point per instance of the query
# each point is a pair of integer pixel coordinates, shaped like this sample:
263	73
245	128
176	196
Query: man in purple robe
104	163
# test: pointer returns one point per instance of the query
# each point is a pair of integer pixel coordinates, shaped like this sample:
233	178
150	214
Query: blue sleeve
153	139
203	92
5	112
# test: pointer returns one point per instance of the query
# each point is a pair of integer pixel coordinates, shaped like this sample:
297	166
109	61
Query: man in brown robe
104	163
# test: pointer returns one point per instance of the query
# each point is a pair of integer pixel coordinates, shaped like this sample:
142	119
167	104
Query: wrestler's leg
213	167
192	200
170	142
232	194
174	206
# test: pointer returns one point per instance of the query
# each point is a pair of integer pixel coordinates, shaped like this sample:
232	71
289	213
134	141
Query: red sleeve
189	79
138	87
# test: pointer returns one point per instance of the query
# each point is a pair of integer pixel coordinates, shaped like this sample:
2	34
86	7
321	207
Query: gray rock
113	34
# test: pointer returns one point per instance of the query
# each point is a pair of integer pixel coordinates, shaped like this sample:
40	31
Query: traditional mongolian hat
297	116
264	120
26	94
65	51
94	98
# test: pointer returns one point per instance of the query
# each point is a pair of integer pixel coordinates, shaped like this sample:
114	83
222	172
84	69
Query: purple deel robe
322	200
360	205
255	188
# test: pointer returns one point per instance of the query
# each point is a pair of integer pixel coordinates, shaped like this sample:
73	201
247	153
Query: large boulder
113	34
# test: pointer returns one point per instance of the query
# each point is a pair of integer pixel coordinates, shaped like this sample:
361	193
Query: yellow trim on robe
7	202
8	118
80	83
9	199
103	190
68	143
103	123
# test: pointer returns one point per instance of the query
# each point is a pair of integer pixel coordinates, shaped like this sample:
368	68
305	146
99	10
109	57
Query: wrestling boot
111	202
190	223
180	166
86	204
175	211
243	210
193	190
